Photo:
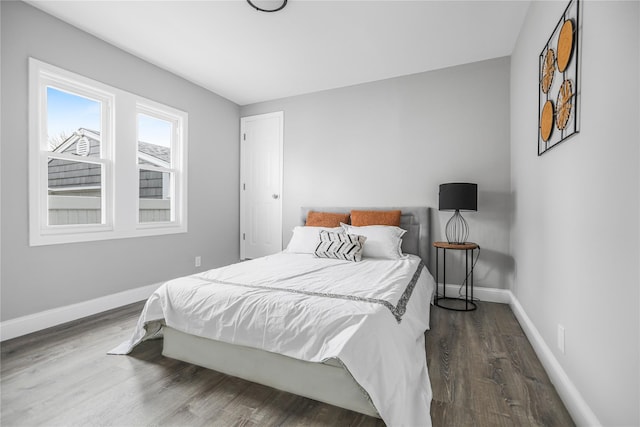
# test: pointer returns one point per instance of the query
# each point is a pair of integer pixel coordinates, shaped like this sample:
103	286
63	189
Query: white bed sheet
371	315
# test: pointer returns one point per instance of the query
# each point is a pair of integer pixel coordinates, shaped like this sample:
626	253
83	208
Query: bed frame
328	382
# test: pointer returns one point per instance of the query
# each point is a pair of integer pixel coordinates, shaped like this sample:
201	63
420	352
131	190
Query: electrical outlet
198	261
561	338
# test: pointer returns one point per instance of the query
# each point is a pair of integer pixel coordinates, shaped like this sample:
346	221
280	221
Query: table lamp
457	196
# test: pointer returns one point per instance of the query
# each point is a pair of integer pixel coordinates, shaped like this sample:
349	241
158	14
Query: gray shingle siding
65	175
150	185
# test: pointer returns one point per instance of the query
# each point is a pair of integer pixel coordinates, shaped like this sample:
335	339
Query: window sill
66	236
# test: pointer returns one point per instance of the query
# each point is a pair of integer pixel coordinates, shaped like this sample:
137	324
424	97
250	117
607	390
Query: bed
355	341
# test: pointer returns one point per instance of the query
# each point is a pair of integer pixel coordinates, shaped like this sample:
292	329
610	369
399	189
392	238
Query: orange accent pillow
326	219
364	218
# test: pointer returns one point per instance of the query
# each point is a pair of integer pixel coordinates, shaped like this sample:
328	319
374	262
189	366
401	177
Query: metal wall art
558	82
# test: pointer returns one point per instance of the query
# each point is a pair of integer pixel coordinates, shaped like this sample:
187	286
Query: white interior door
261	141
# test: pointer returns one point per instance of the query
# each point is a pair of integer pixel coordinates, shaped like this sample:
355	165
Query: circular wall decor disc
548	70
565	45
546	121
564	104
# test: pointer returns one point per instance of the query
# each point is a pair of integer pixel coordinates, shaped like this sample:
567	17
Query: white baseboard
45	319
574	402
580	412
38	321
502	296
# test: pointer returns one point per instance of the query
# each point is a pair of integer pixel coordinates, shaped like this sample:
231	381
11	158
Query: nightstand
469	304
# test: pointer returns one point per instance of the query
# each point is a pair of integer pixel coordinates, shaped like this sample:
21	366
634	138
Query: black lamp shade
458	196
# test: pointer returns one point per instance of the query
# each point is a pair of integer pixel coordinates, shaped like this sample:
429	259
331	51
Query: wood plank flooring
483	373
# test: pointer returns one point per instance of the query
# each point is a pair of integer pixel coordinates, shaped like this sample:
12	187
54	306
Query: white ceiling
249	56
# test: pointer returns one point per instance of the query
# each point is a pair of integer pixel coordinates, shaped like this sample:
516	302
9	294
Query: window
156	175
75	161
86	184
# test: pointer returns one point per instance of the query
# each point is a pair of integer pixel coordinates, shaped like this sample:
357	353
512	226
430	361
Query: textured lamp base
457	229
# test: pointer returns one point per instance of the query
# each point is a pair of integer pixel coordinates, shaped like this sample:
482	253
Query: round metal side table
468	248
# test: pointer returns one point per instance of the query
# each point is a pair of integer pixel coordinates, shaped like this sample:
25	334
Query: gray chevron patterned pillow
340	246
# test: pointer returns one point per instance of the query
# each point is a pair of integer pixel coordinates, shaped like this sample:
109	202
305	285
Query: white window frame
177	120
118	158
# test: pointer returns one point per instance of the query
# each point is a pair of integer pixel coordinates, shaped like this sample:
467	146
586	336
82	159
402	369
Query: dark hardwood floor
483	373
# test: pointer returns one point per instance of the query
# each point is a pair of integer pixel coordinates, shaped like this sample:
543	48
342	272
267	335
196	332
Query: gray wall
40	278
392	142
575	230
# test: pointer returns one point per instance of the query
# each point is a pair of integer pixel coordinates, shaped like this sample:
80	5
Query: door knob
275	196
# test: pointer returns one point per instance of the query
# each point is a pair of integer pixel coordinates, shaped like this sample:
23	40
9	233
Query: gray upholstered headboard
414	219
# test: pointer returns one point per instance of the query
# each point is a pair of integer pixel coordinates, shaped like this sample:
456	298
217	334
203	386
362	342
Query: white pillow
306	239
383	241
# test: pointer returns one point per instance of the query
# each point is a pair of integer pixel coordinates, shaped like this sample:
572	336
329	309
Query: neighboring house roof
70	145
86	143
70	176
154	154
65	175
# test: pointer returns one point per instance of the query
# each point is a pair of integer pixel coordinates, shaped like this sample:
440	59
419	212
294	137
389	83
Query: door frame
243	201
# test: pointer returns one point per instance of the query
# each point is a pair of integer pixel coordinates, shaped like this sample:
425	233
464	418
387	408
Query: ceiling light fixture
284	3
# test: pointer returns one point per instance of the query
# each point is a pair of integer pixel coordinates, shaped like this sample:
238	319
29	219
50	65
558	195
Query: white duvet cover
370	314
